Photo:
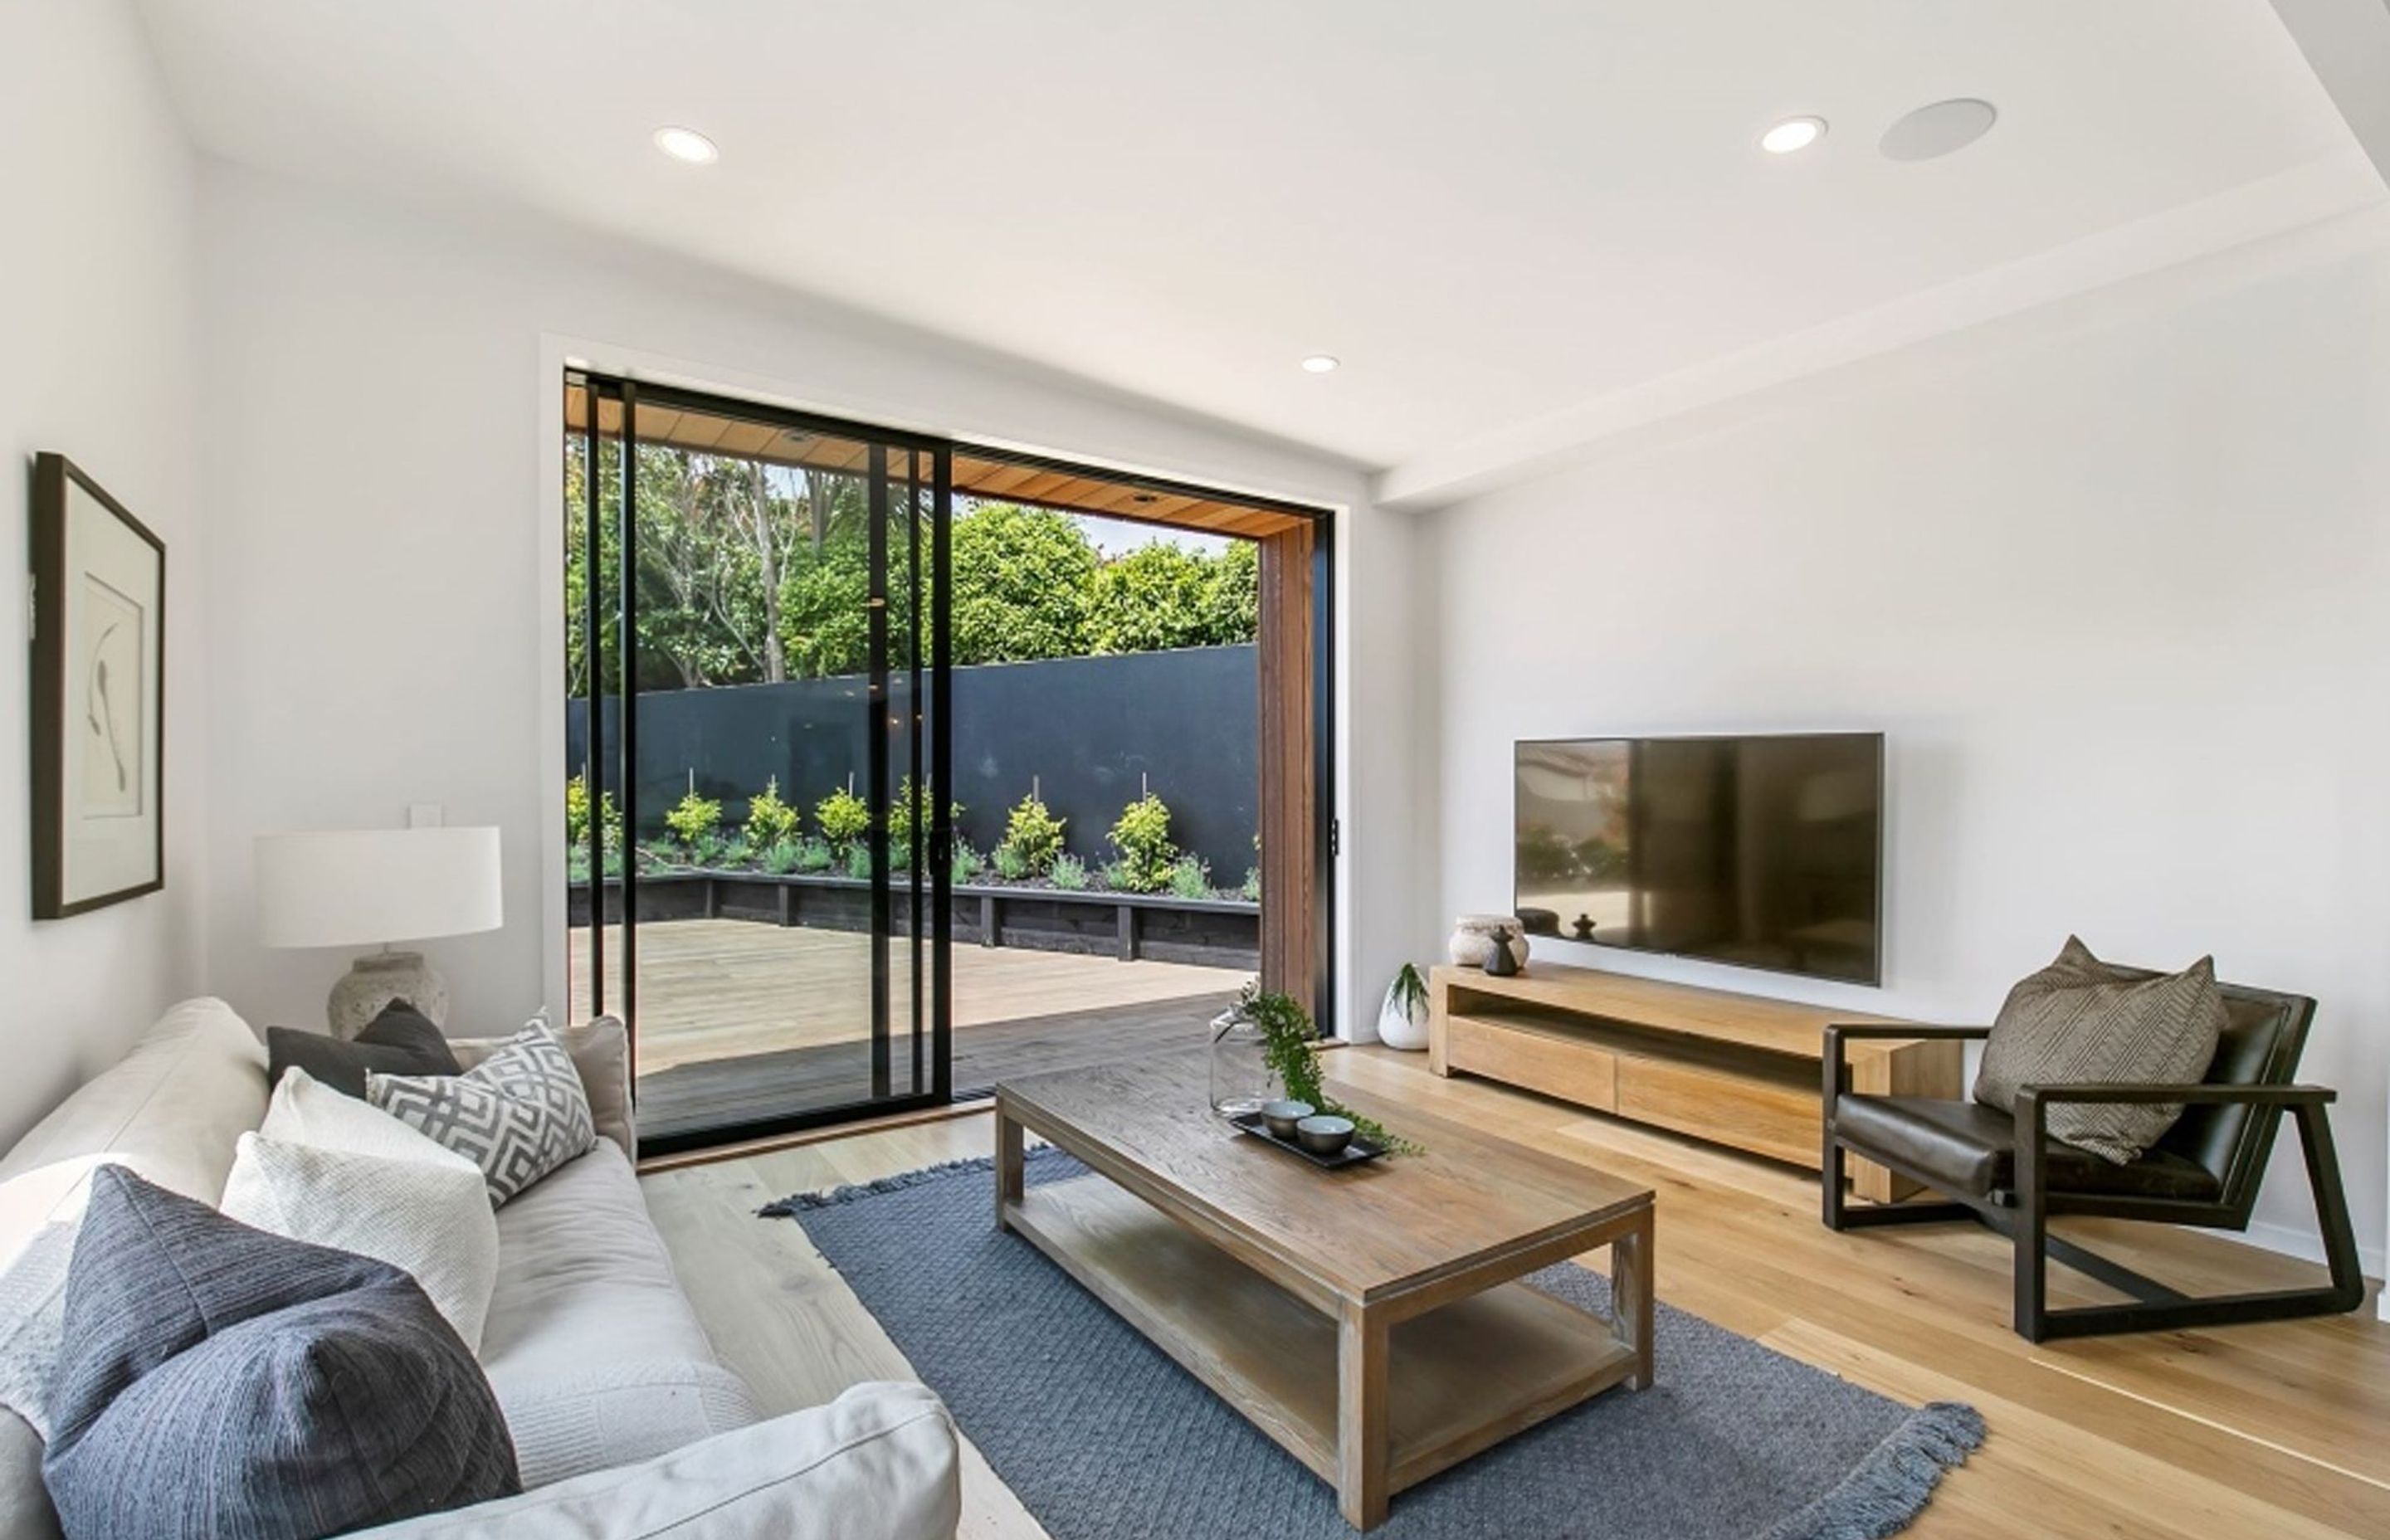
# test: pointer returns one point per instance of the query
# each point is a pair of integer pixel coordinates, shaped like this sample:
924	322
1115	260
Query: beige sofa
625	1423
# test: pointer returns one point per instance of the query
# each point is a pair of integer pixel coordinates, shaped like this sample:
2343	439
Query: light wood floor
722	988
2280	1431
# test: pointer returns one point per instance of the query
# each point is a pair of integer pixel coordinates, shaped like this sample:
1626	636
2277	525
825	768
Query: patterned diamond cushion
2081	1020
215	1380
520	1114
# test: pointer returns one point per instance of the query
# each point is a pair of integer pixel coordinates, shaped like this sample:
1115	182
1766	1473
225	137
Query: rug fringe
804	1202
1892	1485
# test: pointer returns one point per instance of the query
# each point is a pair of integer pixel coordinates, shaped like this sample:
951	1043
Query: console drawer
1545	1061
1763	1114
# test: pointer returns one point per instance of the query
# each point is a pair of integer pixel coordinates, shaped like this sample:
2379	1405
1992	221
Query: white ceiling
1495	211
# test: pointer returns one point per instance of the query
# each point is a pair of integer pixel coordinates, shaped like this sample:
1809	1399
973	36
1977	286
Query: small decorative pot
1473	939
1402	1024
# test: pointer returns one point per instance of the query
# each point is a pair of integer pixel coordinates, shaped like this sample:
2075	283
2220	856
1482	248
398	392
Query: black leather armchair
2004	1169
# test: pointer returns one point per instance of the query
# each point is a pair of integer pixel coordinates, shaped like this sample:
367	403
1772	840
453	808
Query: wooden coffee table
1367	1319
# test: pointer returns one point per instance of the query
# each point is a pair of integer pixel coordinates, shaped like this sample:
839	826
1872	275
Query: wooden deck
740	1021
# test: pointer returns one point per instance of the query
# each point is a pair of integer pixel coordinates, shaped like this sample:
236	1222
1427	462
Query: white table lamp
374	887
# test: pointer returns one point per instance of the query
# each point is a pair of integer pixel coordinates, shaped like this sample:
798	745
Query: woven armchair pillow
2081	1021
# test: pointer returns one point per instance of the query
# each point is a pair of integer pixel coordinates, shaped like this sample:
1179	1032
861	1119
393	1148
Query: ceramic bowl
1324	1135
1280	1117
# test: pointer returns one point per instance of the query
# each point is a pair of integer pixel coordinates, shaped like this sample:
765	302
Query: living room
1641	399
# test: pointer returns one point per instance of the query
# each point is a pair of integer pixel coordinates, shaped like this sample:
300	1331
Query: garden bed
1218	932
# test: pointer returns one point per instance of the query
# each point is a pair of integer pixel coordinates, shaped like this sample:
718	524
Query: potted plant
1402	1020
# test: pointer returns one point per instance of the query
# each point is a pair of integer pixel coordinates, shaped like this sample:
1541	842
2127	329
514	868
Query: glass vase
1242	1079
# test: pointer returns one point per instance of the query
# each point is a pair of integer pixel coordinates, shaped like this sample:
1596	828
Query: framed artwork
98	697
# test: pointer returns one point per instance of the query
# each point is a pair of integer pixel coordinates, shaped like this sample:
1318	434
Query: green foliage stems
1009	864
695	819
1069	873
1142	840
843	819
771	821
1033	835
1190	878
1291	1049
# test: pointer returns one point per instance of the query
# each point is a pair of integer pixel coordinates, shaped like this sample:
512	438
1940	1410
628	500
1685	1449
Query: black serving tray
1352	1154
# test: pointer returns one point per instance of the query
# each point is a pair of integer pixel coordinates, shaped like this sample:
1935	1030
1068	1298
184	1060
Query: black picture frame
54	478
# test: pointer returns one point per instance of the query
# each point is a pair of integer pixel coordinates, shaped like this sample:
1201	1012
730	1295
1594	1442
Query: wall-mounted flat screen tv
1763	852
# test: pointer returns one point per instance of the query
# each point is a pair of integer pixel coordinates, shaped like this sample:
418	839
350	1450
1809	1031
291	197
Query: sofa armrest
881	1462
602	1052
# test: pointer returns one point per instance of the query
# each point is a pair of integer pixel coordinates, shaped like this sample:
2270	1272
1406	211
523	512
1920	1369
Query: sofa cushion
430	1218
881	1462
401	1041
26	1512
520	1114
2081	1021
170	1110
32	1318
1965	1148
602	1052
592	1348
217	1380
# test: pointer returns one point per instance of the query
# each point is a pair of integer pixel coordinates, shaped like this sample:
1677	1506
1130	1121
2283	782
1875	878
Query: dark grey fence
1091	731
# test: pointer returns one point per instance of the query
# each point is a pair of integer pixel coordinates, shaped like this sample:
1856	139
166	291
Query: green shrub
966	867
814	856
1068	873
1141	840
771	821
736	851
859	861
694	820
576	816
1009	864
1033	835
576	863
781	859
1252	888
708	851
1190	878
661	855
843	819
911	812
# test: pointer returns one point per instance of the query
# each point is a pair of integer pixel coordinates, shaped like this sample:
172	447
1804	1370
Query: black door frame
938	452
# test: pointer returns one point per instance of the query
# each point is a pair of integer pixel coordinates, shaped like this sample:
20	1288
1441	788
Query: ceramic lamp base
374	981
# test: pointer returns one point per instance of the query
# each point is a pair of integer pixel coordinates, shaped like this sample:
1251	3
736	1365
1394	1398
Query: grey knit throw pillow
2080	1020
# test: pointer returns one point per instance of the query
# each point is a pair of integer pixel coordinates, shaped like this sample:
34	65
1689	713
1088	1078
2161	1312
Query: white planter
1401	1028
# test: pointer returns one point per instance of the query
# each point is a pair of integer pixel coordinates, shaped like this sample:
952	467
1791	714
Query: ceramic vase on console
1241	1079
1473	939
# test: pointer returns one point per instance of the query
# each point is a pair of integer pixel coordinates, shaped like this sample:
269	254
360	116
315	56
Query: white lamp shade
371	887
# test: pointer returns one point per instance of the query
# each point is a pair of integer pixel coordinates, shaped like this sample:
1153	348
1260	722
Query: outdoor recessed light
689	144
1320	363
1792	134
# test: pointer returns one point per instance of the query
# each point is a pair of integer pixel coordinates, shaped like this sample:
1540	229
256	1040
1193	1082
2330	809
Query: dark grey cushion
2081	1021
217	1380
401	1041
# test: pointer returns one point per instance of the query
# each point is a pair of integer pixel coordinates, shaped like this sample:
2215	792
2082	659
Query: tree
1024	584
1153	597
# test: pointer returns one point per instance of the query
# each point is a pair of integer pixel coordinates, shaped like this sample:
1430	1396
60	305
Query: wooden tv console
1737	1070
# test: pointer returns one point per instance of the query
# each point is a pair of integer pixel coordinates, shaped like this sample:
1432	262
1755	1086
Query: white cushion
169	1110
306	1110
429	1217
881	1462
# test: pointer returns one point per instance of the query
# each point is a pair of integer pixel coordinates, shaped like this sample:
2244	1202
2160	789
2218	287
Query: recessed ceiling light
1792	134
687	143
1939	129
1321	363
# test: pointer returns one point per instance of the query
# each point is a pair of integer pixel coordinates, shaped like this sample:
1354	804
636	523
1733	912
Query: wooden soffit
978	473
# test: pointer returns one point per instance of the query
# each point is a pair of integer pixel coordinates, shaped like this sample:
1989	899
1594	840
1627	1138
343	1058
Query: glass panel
780	651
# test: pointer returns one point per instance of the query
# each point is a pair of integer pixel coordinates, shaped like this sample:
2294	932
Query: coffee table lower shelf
1462	1377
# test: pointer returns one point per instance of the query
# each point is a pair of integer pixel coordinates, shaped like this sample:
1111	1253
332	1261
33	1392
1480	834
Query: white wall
96	335
383	433
2112	577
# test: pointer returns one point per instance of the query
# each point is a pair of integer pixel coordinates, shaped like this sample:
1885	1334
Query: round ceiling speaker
1938	130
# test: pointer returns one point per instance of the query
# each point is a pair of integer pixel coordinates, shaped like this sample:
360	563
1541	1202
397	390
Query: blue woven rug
1104	1438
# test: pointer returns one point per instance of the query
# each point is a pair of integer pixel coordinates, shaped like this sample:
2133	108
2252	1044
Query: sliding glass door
759	728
